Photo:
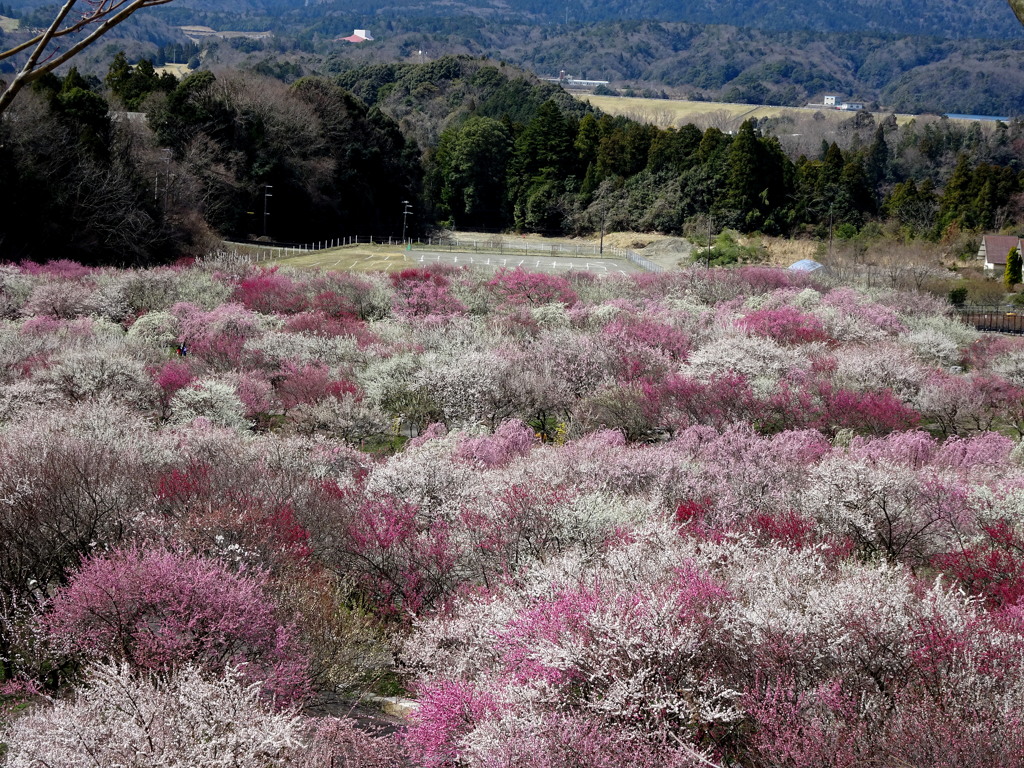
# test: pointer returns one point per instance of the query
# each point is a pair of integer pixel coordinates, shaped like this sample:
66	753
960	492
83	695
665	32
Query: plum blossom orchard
699	518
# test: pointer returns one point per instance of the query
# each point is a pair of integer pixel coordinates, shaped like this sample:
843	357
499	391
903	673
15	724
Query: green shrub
958	296
728	250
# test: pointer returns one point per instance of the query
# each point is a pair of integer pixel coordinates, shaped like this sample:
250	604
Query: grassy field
671	113
8	24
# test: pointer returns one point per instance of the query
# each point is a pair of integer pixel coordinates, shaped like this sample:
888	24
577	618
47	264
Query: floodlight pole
266	197
406	210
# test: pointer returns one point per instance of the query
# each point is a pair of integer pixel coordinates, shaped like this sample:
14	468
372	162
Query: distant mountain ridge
951	19
907	55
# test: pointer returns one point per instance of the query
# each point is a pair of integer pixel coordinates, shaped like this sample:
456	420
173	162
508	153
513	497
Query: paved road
529	263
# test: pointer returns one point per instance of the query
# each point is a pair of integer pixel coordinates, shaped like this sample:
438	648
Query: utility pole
709	239
266	198
831	221
167	178
406	210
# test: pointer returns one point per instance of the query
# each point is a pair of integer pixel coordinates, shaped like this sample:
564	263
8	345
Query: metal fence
494	244
498	244
522	246
641	262
999	319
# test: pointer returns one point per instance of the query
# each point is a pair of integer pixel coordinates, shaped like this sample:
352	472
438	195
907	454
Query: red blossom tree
171	377
787	325
517	286
269	292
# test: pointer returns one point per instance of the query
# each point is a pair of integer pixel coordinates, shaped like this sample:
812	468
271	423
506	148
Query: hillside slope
941	18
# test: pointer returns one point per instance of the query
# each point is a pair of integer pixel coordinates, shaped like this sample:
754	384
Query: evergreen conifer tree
1012	273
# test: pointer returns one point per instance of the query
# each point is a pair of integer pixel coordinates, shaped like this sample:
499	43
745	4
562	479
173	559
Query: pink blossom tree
158	610
171	377
299	383
216	337
403	561
513	438
424	293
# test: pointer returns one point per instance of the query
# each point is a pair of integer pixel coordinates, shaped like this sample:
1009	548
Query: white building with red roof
358	36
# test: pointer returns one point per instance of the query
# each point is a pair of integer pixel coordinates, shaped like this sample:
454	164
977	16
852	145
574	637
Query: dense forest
202	159
143	166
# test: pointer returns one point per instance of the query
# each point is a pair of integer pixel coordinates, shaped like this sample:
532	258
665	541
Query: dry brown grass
8	24
782	251
667	113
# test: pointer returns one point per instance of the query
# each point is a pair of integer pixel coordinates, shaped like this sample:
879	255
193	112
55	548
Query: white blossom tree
136	720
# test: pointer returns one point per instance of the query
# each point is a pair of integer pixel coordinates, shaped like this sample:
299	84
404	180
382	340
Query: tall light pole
266	197
406	210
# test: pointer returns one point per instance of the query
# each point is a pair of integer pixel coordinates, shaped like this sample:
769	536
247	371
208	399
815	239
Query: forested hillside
939	18
88	183
473	144
727	63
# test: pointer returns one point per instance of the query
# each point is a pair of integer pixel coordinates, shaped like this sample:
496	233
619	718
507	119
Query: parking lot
529	263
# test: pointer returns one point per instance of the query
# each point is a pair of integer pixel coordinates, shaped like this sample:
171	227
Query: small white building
835	102
569	81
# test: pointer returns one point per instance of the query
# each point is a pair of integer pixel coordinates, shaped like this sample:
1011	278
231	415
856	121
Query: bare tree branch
99	16
1018	8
